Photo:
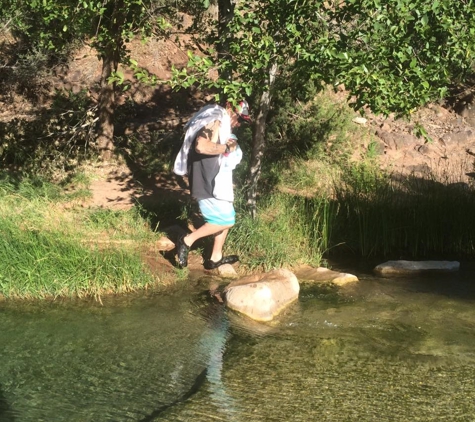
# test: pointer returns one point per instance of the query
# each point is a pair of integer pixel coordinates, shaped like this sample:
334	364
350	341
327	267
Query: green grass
286	233
49	250
41	264
413	218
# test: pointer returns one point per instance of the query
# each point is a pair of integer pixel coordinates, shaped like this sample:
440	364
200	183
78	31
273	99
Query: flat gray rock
391	268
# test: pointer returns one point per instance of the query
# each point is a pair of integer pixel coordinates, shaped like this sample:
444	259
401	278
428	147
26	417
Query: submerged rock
262	297
393	268
324	275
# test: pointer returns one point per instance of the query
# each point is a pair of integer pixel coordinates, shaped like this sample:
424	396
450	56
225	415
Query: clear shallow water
382	350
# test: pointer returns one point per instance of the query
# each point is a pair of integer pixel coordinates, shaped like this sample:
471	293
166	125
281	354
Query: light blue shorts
215	211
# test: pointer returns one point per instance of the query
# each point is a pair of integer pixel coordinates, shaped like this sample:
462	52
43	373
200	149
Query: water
381	350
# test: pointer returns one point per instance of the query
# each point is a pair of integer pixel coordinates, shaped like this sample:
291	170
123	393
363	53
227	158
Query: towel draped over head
200	119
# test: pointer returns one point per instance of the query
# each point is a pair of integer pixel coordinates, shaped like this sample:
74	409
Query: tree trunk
259	142
105	138
225	15
110	63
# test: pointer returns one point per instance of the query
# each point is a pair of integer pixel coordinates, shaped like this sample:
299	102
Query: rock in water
391	268
324	275
262	297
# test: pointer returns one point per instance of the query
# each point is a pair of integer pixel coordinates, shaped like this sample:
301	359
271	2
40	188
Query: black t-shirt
202	172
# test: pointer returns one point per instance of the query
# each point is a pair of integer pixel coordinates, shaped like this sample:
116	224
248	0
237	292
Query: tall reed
411	217
289	231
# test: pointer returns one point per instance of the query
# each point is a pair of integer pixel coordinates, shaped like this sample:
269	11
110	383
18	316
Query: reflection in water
194	388
382	350
5	411
211	346
213	343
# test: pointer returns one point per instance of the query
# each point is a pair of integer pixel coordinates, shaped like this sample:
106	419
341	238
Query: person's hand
232	145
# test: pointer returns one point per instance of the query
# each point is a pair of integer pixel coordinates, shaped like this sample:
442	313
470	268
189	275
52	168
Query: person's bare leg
218	245
206	229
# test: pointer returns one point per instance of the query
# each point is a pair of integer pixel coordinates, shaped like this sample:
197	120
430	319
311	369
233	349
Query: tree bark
259	142
110	63
105	138
225	15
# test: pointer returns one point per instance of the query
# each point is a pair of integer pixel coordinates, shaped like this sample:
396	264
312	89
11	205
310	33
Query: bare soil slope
449	157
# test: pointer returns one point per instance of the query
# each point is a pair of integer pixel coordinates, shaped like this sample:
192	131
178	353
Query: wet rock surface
402	267
324	275
263	296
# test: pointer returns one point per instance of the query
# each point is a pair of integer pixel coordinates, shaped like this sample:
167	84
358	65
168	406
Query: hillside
448	157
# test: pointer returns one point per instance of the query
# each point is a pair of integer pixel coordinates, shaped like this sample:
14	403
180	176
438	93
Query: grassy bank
320	197
411	218
363	213
326	196
50	248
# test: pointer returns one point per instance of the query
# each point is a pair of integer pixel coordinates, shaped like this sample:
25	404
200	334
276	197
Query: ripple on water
116	362
379	351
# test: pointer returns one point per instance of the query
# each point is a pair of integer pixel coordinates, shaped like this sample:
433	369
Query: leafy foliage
392	55
57	140
396	55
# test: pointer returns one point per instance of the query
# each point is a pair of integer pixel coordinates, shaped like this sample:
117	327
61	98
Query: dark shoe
211	265
182	251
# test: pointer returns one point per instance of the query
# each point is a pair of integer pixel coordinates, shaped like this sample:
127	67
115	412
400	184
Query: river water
380	350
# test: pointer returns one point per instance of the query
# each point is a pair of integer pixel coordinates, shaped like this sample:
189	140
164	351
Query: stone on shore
262	297
395	268
324	275
227	271
164	244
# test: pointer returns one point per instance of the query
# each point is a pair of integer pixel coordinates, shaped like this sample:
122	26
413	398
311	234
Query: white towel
201	118
223	182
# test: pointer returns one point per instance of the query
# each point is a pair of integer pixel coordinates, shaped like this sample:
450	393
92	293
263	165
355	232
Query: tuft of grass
49	250
288	232
381	216
36	264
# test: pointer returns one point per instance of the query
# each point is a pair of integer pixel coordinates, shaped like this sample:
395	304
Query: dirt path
115	188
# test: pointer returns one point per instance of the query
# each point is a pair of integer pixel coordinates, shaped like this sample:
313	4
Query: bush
54	142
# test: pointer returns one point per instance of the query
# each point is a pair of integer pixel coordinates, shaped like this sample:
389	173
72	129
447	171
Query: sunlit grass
281	236
48	249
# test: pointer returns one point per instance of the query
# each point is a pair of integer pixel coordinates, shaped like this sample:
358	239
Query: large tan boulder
402	267
263	296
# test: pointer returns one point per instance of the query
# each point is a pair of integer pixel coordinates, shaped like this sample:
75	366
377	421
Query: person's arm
207	141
